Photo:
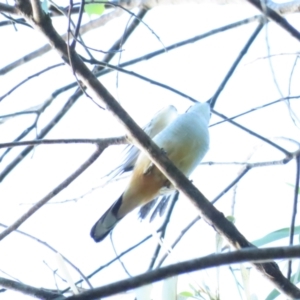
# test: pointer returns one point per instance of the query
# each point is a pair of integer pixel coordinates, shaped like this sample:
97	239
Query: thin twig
28	290
53	193
189	226
120	42
71	101
294	213
183	43
255	109
30	77
118	256
107	141
163	230
236	63
253	133
180	236
53	250
282	22
248	166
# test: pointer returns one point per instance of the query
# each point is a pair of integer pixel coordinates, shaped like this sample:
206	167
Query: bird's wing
130	153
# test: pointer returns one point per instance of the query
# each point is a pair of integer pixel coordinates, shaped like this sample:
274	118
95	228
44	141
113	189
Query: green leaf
275	235
186	294
94	8
231	219
44	4
274	294
293	186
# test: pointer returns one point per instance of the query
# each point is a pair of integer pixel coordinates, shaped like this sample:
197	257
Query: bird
130	154
185	141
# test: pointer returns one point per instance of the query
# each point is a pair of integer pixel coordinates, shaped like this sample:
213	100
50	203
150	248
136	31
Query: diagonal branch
133	25
294	213
53	193
8	8
236	63
27	289
54	250
274	16
287	153
71	101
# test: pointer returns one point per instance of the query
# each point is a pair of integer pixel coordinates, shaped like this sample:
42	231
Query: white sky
263	199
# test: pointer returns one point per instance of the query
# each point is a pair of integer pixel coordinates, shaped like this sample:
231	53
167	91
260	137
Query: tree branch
53	193
213	260
108	141
274	16
27	289
8	9
53	250
284	8
37	11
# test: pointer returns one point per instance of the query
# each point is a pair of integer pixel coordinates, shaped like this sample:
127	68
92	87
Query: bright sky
263	197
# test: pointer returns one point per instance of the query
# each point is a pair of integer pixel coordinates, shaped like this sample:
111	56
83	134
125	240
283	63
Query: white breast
186	139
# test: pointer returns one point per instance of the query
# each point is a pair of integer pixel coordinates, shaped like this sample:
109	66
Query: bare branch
294	212
52	249
120	42
182	233
254	134
71	101
213	260
236	63
8	9
53	193
68	104
286	7
122	254
108	141
281	8
101	21
37	11
27	289
183	43
190	225
118	256
274	16
30	77
256	108
164	229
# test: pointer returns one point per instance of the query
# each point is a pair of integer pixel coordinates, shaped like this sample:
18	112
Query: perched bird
130	154
185	141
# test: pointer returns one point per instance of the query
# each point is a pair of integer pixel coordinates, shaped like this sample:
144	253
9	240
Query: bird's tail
107	222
